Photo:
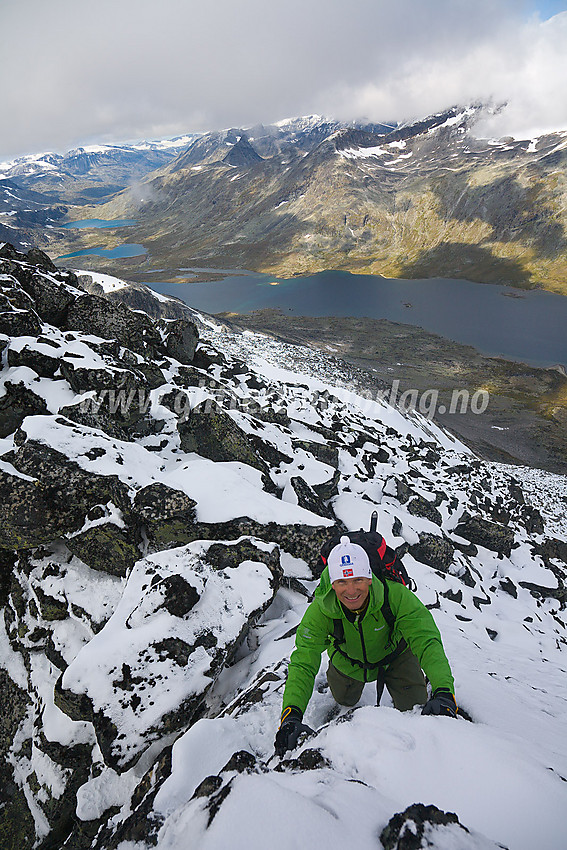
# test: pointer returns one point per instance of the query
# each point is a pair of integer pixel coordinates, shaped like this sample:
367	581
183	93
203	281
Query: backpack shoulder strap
386	609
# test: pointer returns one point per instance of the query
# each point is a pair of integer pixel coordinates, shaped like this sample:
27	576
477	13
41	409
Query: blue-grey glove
290	729
442	702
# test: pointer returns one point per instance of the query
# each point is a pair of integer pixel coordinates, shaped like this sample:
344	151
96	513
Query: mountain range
424	199
166	483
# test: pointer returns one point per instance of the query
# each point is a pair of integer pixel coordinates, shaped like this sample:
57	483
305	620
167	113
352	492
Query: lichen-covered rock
168	515
83	379
105	547
422	507
301	541
152	374
17	828
17	314
206	356
322	451
435	551
95	315
188	376
181	337
329	488
51	496
531	519
119	405
26	519
36	257
403	492
491	535
552	548
51	608
212	433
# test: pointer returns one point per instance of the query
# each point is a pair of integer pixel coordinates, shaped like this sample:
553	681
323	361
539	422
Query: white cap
348	560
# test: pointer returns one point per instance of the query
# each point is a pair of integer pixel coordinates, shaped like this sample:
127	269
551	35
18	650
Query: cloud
122	69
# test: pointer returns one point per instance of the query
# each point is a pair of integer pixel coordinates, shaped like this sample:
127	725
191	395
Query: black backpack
384	564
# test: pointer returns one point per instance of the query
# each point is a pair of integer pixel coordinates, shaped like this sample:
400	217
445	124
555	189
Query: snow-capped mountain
88	174
166	485
424	199
81	159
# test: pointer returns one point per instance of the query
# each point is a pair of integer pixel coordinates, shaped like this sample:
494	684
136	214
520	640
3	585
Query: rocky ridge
165	488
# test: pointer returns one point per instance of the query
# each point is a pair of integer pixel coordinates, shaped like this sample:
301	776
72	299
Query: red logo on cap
347	573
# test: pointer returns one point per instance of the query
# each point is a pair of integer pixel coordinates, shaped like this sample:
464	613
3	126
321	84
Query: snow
56	394
140	623
223	491
108	282
504	773
11	661
362	153
301	123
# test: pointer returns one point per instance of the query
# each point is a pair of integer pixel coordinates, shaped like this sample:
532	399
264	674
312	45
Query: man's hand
442	702
290	729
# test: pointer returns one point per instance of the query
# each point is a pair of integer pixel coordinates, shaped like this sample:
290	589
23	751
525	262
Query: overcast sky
76	71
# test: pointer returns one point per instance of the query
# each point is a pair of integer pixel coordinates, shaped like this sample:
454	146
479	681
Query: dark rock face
329	488
17	312
436	552
18	402
212	433
419	506
181	337
417	826
552	548
41	363
482	532
120	406
322	451
228	556
40	511
301	541
180	596
92	314
207	356
17	829
508	586
403	492
50	607
307	498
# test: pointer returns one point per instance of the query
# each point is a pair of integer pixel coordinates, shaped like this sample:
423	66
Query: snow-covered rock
163	504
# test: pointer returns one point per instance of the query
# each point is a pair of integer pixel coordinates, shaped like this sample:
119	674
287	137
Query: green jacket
368	635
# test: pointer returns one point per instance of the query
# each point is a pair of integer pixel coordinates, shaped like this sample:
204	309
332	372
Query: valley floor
526	417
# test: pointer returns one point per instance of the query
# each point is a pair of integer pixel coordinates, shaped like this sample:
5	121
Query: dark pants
403	678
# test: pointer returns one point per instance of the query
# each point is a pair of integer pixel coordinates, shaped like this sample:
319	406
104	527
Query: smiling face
352	592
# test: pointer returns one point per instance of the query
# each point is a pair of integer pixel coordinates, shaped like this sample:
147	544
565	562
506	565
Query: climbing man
373	629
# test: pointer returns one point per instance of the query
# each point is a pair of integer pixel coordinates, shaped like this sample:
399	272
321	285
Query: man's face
352	592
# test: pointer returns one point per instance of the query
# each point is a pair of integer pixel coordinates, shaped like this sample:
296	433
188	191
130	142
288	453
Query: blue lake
131	250
99	222
529	326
